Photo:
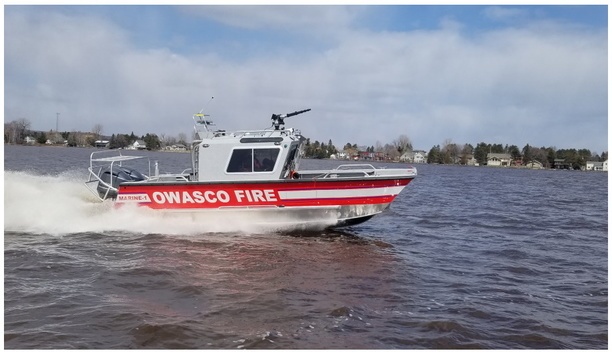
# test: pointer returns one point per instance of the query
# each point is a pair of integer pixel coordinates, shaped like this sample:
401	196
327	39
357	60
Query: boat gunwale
268	182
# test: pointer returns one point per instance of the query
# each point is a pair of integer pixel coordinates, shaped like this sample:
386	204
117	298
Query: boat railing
354	170
106	157
354	166
361	170
182	176
262	132
98	162
371	168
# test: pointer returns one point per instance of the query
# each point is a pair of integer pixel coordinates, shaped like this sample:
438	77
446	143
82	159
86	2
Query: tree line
389	151
16	132
462	154
451	153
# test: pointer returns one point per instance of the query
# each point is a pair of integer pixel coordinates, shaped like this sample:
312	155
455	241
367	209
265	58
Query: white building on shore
596	166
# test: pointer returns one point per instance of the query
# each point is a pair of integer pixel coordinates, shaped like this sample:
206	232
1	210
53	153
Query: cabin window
265	159
240	161
249	160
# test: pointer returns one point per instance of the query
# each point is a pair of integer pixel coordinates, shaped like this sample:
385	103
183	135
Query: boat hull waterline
275	204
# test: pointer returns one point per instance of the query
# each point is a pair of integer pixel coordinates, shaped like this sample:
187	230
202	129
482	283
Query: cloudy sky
497	74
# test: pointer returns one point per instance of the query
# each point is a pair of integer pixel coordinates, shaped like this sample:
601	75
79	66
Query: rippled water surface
466	257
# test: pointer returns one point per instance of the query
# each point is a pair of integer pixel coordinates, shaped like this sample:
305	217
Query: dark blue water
466	257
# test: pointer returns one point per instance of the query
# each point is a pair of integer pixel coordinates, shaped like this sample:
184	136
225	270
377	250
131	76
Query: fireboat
253	172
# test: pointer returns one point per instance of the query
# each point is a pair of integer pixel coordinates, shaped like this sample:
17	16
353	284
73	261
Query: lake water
466	257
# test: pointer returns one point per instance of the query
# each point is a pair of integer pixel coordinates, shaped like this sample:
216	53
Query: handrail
105	159
352	166
111	158
336	172
165	177
256	133
98	180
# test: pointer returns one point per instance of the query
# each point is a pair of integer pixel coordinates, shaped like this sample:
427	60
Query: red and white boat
254	172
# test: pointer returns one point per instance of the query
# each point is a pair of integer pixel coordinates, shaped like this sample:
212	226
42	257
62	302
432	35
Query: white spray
57	205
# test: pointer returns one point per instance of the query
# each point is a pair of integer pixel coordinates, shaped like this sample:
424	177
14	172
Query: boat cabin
268	154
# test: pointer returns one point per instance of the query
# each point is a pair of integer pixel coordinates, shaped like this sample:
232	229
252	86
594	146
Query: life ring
294	174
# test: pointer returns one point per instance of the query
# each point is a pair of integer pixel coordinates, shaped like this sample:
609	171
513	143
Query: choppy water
464	258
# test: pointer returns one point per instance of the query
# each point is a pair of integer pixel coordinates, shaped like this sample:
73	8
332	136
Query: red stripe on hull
192	195
282	184
339	201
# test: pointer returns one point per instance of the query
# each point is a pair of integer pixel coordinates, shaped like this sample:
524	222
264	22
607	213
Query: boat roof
117	158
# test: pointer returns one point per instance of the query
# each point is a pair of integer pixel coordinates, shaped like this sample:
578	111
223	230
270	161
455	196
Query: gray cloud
542	84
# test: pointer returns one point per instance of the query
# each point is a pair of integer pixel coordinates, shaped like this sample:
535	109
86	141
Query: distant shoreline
339	160
99	148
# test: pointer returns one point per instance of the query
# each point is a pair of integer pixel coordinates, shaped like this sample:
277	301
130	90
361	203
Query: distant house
30	140
499	159
50	142
534	164
561	164
419	157
416	156
378	156
101	143
363	155
176	148
340	155
470	160
347	155
139	144
596	166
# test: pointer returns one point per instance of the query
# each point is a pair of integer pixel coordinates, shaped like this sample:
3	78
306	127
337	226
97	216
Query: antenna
206	104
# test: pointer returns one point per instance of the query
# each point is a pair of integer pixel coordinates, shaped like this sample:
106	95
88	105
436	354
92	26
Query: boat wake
58	205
